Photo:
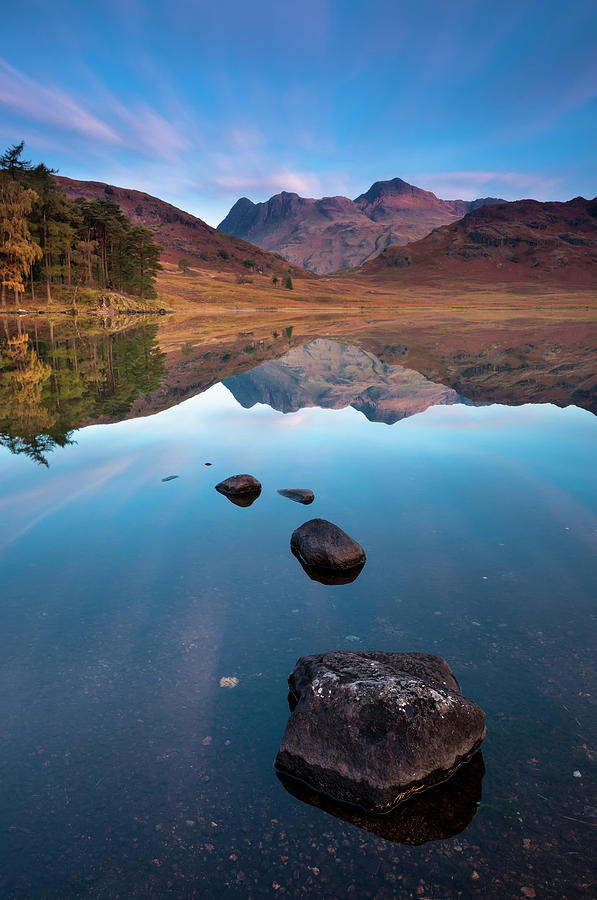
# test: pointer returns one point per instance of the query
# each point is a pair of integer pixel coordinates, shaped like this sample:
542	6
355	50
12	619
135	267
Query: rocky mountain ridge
332	233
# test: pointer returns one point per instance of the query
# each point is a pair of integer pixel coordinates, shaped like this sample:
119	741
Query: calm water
127	770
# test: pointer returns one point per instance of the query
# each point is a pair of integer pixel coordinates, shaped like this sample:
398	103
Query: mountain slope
180	233
335	232
521	241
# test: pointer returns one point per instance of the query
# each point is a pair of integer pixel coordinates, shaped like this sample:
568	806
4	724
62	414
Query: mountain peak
334	232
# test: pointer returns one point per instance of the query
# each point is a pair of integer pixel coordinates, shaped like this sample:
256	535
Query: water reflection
56	376
325	576
335	375
242	500
50	386
433	815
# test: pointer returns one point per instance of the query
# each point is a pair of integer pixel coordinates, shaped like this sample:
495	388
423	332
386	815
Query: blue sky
201	103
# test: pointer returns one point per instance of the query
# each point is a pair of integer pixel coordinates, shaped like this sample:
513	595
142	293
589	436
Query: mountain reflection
433	815
334	375
57	375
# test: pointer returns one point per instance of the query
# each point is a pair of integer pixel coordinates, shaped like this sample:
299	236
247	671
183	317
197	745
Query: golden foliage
17	251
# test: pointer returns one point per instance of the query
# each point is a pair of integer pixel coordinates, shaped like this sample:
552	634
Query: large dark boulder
322	545
434	815
242	490
372	728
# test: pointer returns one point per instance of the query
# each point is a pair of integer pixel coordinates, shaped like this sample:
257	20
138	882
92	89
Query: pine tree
143	261
11	161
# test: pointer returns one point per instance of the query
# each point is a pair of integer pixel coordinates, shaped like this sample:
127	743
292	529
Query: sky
201	103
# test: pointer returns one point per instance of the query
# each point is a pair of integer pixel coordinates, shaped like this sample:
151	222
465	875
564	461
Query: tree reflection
51	386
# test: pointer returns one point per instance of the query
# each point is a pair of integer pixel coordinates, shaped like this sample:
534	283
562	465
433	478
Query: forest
49	240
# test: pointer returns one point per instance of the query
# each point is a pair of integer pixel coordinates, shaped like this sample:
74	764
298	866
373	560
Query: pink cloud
304	183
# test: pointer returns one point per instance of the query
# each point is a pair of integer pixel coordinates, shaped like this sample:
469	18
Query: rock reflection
325	576
436	814
240	499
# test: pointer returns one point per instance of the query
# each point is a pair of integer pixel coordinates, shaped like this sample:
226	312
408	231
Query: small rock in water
207	464
169	477
371	728
322	545
299	495
242	490
228	681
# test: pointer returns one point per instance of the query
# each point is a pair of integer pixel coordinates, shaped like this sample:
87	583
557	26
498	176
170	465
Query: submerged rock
299	495
372	728
169	477
321	545
240	487
434	815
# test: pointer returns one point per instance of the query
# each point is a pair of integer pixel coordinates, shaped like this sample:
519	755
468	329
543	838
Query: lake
148	627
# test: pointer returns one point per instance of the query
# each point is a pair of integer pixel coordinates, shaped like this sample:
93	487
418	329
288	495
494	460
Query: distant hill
335	232
521	241
180	233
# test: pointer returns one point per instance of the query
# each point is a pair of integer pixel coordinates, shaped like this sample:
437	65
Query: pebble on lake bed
228	681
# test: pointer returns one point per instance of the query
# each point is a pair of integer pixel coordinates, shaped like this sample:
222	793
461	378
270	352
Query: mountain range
334	232
550	243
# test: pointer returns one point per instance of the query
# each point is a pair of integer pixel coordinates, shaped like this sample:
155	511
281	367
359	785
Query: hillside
552	243
335	232
180	233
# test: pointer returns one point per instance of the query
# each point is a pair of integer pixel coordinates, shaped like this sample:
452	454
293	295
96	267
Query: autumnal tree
17	251
23	415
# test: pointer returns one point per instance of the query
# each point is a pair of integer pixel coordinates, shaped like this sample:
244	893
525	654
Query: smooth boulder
239	486
320	544
372	728
299	495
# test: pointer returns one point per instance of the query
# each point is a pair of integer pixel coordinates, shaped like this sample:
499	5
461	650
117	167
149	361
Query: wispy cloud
468	185
137	126
304	183
146	130
33	101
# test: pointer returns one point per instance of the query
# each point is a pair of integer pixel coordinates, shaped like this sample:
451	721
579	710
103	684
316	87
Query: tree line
48	239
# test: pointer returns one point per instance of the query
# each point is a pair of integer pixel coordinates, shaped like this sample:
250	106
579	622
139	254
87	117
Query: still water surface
127	770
